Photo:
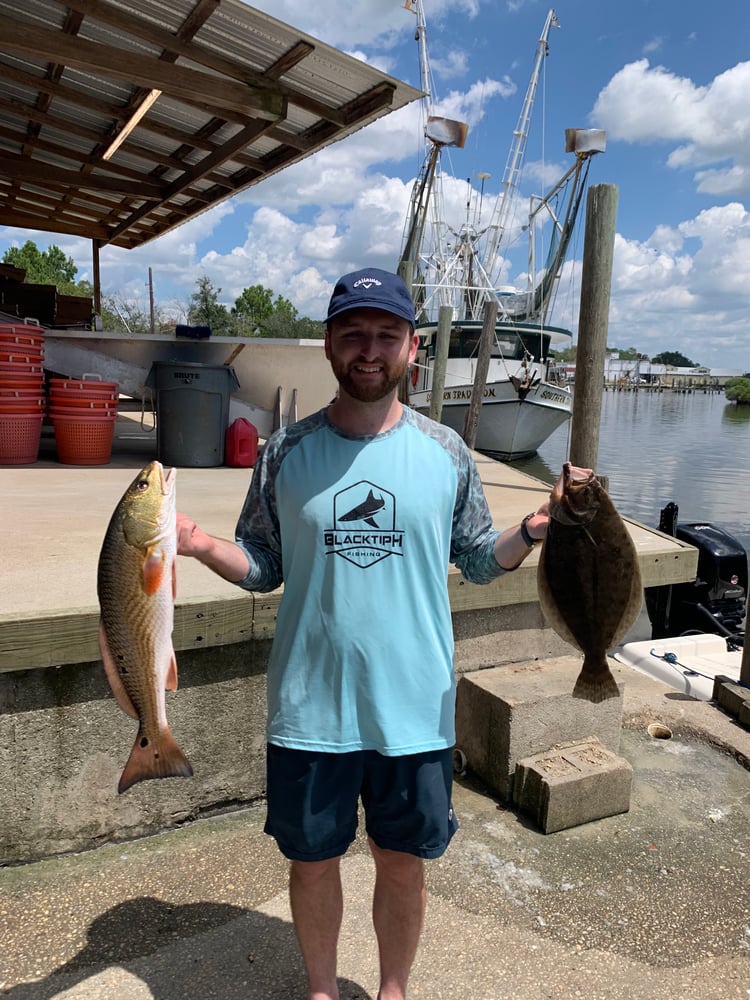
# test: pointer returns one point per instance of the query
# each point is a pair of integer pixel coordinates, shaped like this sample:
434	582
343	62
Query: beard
368	390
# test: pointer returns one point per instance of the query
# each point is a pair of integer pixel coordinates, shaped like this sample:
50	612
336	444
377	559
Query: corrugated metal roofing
242	97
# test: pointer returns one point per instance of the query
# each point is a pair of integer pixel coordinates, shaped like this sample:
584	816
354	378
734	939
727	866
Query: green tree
675	359
565	353
45	267
258	314
737	390
251	309
206	310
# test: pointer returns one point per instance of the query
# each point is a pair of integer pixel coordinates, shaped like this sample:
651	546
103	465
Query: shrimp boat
462	267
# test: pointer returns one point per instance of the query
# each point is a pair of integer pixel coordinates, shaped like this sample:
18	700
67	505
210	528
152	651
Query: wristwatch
527	539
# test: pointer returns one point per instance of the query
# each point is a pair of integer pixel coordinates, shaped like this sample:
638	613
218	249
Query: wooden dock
55	516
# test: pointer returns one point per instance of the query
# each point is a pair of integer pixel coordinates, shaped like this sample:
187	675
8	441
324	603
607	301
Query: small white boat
687	663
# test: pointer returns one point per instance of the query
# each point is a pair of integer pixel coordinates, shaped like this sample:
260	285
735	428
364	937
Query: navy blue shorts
313	801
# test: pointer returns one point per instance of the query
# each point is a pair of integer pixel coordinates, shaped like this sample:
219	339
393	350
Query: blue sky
668	80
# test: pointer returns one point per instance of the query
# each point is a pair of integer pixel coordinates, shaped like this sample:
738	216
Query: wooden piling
598	252
440	361
489	317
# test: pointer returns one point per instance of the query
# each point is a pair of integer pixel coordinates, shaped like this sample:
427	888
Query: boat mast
514	163
438	132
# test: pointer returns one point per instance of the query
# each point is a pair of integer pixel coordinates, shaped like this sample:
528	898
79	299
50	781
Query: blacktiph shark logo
364	511
364	531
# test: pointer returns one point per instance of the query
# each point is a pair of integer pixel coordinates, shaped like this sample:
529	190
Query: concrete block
510	712
744	715
572	784
730	695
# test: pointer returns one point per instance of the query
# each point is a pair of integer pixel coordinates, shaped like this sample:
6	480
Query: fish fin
161	759
113	675
595	682
170	683
153	570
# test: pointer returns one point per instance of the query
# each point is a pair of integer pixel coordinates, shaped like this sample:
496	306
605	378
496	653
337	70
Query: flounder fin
595	683
113	675
161	759
153	571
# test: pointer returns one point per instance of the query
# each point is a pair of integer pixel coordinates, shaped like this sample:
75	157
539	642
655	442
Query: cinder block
507	713
730	695
744	715
572	784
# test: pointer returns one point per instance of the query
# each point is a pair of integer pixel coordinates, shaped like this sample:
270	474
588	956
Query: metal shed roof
204	97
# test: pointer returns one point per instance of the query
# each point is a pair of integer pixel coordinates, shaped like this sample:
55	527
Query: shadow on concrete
184	952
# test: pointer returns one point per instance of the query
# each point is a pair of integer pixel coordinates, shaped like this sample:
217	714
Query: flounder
589	581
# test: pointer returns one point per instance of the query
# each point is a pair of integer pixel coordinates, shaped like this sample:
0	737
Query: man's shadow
194	951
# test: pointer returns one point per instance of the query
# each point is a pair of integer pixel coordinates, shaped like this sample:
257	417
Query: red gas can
241	444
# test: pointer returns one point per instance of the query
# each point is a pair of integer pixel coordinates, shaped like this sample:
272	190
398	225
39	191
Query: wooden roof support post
593	323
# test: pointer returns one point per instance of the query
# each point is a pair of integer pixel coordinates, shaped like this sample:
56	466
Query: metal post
596	280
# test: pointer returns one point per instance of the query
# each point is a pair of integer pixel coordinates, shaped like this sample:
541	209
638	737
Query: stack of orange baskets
22	399
83	413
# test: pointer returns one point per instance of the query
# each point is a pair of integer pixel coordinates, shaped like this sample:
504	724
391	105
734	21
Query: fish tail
595	682
160	758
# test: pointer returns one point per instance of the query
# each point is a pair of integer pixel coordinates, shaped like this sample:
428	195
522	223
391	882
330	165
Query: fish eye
142	484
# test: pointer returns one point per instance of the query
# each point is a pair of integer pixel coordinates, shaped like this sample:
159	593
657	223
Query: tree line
255	313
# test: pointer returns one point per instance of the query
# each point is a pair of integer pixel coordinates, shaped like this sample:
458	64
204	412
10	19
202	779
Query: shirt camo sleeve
257	532
473	537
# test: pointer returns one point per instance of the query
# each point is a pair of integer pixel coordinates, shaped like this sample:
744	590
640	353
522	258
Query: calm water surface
693	450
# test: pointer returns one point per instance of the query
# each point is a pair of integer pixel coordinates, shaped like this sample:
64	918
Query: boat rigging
462	267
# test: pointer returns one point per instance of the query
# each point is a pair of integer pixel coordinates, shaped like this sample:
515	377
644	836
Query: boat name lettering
556	397
489	393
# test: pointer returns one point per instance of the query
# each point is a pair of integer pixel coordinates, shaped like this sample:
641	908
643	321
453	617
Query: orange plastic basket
84	440
19	438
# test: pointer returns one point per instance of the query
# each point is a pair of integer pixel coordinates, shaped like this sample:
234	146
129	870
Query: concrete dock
653	902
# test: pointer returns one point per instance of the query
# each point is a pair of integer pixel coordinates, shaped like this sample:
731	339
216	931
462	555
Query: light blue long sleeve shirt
361	531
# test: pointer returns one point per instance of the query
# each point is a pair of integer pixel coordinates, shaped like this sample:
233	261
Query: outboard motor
716	600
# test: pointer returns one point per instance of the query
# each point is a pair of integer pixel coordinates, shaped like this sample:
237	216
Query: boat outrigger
462	267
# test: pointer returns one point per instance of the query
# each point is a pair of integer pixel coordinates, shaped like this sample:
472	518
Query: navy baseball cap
371	288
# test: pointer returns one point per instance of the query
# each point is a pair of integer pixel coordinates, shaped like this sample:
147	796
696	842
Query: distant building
641	371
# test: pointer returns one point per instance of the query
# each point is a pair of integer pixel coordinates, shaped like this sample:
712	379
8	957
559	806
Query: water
691	449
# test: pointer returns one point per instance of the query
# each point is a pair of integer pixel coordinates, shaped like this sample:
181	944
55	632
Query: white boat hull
512	424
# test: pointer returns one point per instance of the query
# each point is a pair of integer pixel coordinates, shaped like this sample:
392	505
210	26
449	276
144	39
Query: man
359	509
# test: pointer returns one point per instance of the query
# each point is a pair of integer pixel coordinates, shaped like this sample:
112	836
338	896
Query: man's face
369	351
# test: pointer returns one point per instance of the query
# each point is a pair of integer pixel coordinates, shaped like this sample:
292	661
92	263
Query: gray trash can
192	411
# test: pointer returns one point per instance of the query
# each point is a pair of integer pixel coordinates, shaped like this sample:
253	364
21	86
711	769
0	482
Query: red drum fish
136	587
589	580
